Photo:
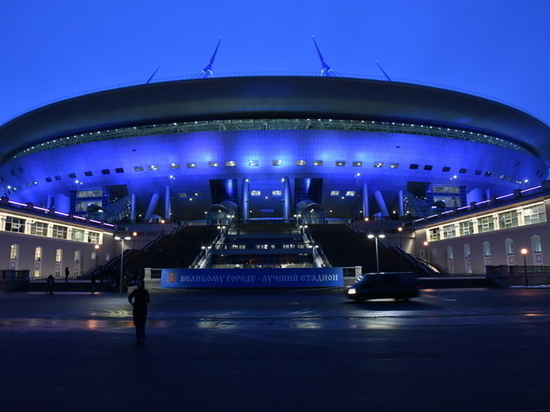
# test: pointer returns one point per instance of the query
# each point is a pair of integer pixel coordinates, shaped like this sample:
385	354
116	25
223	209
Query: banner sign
252	278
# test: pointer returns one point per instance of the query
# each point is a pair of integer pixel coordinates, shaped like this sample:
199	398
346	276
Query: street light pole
371	236
400	229
122	239
524	252
426	251
96	254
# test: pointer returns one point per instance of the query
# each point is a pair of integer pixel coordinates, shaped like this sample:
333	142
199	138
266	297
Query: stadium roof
274	97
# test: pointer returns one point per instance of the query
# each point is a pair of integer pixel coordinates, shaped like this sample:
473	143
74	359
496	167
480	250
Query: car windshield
365	280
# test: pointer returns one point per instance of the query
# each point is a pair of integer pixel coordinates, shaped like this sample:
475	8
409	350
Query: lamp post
371	236
426	250
524	252
400	230
96	254
122	239
134	235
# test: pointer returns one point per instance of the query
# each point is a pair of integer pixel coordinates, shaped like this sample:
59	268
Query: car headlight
352	291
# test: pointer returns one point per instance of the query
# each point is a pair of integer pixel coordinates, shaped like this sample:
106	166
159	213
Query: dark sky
53	49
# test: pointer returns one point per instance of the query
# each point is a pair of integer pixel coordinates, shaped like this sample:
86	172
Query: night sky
53	49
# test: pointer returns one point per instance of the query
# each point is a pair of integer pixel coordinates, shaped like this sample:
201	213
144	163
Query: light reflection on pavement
108	312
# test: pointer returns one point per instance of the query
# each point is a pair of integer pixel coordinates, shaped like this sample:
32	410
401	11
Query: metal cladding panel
274	96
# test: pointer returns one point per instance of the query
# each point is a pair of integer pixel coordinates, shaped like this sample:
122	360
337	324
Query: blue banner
252	278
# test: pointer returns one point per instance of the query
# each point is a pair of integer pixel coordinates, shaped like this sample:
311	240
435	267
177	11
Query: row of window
256	163
536	252
33	227
37	271
521	216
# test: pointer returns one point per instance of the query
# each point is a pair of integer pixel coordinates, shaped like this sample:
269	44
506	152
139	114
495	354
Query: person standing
139	298
67	274
49	285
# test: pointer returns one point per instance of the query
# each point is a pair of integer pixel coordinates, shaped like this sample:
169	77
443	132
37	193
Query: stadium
270	147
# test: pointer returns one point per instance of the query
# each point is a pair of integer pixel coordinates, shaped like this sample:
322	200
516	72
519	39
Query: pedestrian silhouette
139	299
49	285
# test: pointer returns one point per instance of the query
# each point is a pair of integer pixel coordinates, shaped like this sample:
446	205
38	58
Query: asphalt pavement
291	350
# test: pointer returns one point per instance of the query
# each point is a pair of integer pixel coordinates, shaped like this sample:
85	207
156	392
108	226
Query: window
59	232
536	244
394	165
277	162
413	166
446	169
78	235
428	167
508	219
434	234
88	173
72	175
253	163
318	163
14	251
486	249
39	229
176	166
14	224
462	170
138	168
300	163
191	165
153	167
357	164
93	237
378	164
534	214
485	224
90	193
466	228
230	163
340	163
509	245
119	170
449	231
106	171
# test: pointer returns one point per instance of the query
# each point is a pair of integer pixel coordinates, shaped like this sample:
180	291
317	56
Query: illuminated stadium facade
270	147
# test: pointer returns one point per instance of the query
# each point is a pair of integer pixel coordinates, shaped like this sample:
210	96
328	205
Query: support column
245	200
401	202
381	203
152	206
365	201
133	208
286	199
167	204
50	202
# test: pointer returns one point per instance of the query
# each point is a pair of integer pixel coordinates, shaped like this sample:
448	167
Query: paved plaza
449	350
